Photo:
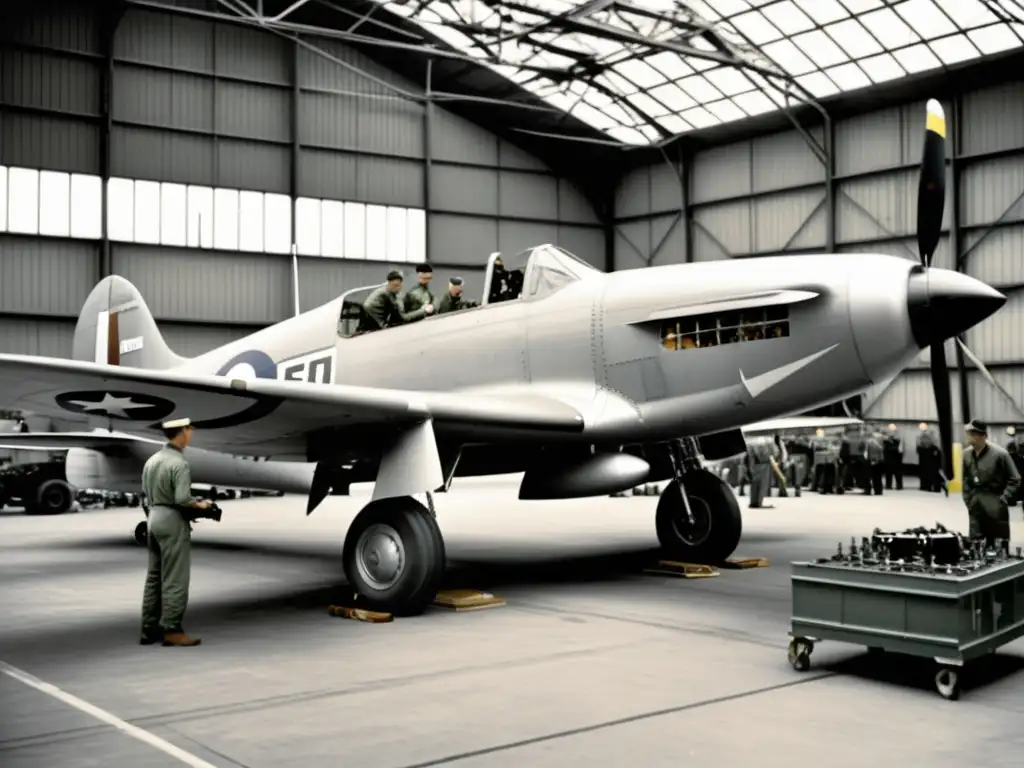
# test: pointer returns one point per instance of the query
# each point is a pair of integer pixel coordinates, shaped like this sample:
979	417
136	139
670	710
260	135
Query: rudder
116	327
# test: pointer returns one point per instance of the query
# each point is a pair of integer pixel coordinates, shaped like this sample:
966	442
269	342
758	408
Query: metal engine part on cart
922	550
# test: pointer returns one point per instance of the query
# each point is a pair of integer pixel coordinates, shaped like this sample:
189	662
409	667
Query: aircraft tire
54	497
719	522
394	556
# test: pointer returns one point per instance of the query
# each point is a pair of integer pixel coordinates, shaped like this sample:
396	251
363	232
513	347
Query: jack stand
678	460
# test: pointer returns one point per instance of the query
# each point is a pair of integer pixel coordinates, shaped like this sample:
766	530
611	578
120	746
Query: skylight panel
726	111
594	117
823	11
672	97
674	124
755	103
618	113
670	64
700	89
639	73
968	14
788	18
789	57
647	105
882	68
596	97
928	21
820	48
848	77
561	100
818	84
854	39
699	117
728	7
650	132
615	83
953	50
704	10
729	80
994	39
628	135
917	58
756	27
889	29
859	6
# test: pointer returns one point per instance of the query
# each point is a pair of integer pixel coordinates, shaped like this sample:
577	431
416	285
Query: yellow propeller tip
936	120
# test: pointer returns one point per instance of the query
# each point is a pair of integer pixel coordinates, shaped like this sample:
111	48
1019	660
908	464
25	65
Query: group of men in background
864	457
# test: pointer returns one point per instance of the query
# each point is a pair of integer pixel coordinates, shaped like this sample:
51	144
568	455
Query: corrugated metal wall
767	196
203	103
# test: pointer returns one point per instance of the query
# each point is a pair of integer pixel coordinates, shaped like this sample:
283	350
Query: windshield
550	269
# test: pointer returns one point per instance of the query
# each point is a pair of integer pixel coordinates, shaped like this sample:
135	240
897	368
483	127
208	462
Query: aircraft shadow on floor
919	673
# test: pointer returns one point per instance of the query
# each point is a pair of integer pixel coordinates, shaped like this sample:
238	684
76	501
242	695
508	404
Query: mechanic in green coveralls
167	483
990	482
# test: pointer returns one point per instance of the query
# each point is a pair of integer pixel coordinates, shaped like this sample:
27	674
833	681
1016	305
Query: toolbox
944	597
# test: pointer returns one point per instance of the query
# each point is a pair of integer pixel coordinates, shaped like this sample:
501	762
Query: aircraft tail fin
116	327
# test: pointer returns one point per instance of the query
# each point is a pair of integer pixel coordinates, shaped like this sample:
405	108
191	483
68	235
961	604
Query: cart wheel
947	683
141	533
799	654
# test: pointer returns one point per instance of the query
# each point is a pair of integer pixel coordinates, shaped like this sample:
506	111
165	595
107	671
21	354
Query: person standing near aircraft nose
990	483
893	448
419	295
167	483
382	309
762	463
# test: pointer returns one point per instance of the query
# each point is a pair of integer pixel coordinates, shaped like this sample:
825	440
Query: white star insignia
110	406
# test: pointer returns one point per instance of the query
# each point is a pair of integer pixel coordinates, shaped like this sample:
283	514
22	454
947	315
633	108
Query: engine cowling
591	474
86	468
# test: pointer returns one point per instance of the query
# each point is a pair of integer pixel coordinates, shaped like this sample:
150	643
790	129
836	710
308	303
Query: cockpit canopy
531	275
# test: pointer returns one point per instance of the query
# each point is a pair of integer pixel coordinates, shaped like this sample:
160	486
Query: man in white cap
990	482
167	483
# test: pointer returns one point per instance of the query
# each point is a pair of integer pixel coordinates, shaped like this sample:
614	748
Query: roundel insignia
130	406
251	364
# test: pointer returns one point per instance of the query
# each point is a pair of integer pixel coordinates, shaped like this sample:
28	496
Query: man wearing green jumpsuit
990	482
167	483
420	295
761	462
452	300
382	308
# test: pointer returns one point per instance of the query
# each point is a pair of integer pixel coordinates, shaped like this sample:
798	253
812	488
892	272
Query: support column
111	20
955	243
428	118
685	180
830	186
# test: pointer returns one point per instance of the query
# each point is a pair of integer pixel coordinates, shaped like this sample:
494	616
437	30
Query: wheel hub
697	532
380	556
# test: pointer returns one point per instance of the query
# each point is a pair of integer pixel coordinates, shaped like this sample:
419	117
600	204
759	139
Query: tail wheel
54	497
394	556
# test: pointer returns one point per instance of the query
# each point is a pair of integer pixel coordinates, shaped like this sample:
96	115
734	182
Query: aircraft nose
943	303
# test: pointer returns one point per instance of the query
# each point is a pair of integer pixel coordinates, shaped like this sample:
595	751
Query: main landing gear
394	556
698	518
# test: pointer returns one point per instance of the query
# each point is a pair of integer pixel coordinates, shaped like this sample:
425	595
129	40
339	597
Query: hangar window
23	201
332	228
54	204
86	206
712	330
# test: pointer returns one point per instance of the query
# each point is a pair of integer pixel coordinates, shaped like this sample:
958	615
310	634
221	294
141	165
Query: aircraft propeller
931	202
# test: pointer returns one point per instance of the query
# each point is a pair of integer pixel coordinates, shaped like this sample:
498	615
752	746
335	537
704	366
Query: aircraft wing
790	423
62	441
230	414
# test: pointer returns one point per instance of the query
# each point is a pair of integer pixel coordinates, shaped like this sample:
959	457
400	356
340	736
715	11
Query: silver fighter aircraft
588	382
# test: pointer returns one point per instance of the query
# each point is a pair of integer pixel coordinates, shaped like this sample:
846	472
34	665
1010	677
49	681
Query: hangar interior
187	144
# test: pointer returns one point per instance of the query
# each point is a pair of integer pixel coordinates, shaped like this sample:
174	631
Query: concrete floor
589	663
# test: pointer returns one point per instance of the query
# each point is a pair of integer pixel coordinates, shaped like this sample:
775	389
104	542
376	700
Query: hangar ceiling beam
955	143
109	23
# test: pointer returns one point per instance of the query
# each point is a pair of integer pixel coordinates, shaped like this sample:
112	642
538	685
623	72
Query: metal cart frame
950	618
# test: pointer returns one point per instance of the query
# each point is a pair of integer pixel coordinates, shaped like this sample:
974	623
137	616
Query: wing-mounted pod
564	473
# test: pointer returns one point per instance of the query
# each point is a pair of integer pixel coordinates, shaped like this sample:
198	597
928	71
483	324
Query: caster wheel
141	533
947	683
799	654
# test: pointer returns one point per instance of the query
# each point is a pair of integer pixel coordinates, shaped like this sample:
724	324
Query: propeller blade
943	405
931	190
990	378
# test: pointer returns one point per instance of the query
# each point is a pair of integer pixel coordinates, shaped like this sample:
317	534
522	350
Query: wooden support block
360	614
747	562
466	600
682	570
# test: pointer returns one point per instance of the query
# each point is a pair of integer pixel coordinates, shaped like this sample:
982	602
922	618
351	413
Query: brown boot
180	640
